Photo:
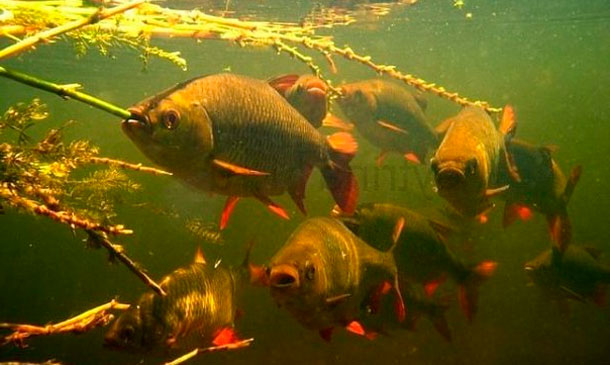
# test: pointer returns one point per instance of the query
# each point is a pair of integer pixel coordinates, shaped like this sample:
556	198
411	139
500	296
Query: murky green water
547	58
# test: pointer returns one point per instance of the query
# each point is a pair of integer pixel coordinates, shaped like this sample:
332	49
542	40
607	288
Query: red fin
485	269
399	304
356	328
412	157
468	301
282	83
379	160
332	121
599	297
380	291
343	143
225	336
515	211
391	127
338	175
199	258
258	275
297	193
227	211
273	207
442	327
431	286
483	218
239	170
326	333
560	230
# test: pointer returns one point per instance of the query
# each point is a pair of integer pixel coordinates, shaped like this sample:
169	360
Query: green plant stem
64	91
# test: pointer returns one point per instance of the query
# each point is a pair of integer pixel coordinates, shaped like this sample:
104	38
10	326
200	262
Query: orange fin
380	291
412	157
297	193
515	211
227	211
400	224
199	258
483	218
381	158
338	298
332	121
399	304
273	207
468	301
431	286
486	268
357	328
238	170
343	143
282	83
508	124
571	184
326	333
338	175
391	127
442	128
225	336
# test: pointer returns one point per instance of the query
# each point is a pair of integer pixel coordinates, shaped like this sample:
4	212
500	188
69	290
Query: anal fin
225	336
273	207
227	211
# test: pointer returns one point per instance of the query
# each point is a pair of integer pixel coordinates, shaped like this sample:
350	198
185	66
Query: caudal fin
468	292
338	175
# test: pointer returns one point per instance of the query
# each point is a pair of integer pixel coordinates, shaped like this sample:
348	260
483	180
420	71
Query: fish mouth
449	178
136	121
316	88
284	276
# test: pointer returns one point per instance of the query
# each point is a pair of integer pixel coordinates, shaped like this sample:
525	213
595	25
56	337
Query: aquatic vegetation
144	21
36	177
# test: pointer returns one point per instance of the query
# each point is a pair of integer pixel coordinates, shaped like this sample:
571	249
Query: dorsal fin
199	259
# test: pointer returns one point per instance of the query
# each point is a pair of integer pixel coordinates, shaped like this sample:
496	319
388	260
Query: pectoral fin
273	207
238	170
357	328
282	83
392	127
199	258
490	193
338	298
398	227
225	336
227	211
332	121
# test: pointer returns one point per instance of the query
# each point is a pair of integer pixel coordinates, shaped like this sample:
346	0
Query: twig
48	34
48	362
127	165
64	92
65	217
197	351
83	322
117	251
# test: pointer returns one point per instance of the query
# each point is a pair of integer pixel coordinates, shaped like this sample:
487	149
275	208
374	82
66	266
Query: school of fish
368	267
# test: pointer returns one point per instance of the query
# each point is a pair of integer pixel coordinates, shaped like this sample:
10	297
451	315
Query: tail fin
560	227
338	175
468	292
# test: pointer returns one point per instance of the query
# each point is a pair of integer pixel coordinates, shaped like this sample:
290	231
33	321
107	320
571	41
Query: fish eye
170	119
471	166
309	272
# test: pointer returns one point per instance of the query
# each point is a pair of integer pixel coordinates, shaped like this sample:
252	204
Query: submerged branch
197	351
83	322
116	251
127	165
64	28
65	91
66	217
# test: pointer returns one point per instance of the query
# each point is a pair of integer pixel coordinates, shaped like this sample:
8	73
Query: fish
467	162
576	273
390	117
306	93
236	136
422	255
543	187
323	275
199	307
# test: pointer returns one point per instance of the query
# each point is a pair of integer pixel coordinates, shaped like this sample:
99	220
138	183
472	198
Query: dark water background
550	59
